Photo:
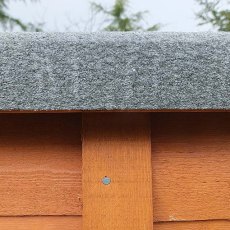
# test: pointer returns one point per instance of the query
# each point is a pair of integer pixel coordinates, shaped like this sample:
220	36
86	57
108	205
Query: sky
73	15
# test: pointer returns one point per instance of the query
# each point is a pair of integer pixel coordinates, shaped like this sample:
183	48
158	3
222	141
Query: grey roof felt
107	71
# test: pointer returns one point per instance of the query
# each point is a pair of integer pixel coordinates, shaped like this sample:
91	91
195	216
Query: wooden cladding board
191	166
40	164
194	225
75	223
117	145
41	223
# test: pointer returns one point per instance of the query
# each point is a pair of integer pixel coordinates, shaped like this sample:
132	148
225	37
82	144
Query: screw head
106	180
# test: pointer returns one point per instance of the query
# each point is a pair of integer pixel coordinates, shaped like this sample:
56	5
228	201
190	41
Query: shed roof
114	71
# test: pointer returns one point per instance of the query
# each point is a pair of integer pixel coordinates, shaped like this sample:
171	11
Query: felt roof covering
114	71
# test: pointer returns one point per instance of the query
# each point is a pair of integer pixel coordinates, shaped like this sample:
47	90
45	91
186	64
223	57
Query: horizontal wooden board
191	166
41	223
75	223
194	225
40	164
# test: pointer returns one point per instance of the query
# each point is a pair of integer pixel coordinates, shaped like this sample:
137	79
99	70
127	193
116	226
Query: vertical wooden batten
117	146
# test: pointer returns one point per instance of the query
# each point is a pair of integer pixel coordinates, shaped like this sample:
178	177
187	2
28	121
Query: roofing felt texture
107	71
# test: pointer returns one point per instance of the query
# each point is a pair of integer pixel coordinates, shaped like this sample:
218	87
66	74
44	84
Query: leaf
118	19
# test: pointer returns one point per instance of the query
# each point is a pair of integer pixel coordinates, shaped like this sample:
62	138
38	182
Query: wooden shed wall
41	170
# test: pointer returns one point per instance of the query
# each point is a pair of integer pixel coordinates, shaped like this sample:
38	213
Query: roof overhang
114	71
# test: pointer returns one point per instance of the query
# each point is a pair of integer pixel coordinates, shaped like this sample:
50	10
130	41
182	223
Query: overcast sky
62	15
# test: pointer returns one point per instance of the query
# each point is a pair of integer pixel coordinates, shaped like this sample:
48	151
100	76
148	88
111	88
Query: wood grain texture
40	164
194	225
75	223
117	145
41	223
191	166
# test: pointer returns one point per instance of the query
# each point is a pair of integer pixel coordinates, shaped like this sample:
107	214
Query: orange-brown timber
40	164
191	166
117	146
41	223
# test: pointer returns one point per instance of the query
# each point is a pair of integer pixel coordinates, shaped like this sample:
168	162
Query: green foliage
117	18
8	22
212	14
